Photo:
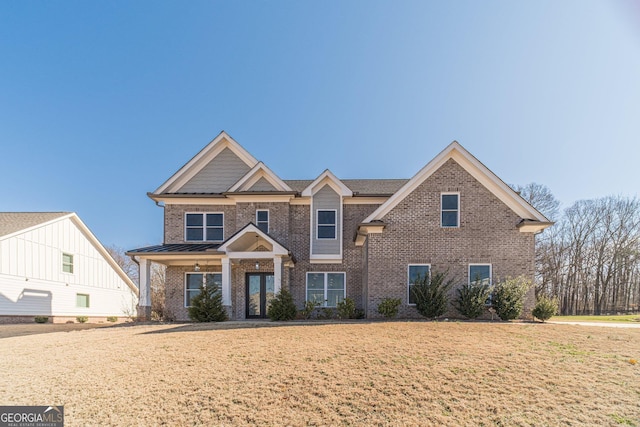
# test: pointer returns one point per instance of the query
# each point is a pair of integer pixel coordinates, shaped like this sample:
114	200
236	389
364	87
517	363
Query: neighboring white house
52	265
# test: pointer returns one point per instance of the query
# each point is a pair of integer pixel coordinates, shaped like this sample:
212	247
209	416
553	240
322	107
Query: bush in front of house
508	297
112	319
389	307
82	319
309	308
41	319
545	308
431	294
282	306
471	299
347	309
207	306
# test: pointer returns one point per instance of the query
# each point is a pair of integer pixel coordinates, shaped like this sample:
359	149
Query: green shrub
430	293
346	309
207	306
508	297
41	319
282	307
309	307
82	319
471	300
389	307
545	308
326	313
112	319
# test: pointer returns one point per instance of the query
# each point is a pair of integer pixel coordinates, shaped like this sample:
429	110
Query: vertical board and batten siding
218	175
326	198
32	281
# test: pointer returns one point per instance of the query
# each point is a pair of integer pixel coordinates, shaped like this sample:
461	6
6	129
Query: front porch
249	268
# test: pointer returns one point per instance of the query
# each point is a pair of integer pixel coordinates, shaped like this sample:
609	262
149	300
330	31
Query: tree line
590	258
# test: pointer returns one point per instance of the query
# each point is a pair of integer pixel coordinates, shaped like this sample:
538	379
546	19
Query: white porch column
144	302
226	281
277	274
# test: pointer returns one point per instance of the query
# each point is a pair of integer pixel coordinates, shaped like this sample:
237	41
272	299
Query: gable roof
247	233
260	170
476	169
13	223
202	159
327	178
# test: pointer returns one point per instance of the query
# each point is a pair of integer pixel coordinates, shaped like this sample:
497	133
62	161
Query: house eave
528	226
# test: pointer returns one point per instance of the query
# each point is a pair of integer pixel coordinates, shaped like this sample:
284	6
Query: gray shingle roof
10	222
361	187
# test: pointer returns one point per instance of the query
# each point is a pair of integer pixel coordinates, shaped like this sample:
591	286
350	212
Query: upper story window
326	221
204	227
450	209
416	272
67	263
262	220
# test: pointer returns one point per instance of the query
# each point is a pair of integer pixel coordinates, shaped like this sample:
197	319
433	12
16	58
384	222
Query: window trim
326	277
335	224
204	273
489	301
88	300
442	210
204	226
413	304
71	264
268	219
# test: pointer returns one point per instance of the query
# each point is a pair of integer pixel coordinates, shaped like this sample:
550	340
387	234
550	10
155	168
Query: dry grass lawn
396	373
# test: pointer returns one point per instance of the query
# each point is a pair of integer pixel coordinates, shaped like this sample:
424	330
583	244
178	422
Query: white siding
32	281
217	176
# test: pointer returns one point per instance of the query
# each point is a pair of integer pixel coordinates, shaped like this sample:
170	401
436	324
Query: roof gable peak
260	170
327	178
200	160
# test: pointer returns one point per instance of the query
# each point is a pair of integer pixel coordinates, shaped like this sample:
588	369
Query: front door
260	291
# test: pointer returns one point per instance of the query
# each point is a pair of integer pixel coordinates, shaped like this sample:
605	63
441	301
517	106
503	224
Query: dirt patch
396	373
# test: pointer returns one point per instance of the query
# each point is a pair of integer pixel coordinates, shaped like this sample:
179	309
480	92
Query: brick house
231	222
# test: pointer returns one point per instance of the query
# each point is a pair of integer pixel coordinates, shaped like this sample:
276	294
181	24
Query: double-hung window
262	220
450	210
201	227
326	289
326	220
480	275
67	263
194	281
416	273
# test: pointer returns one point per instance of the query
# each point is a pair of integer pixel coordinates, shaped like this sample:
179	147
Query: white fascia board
476	169
222	201
327	177
200	160
278	249
260	170
105	254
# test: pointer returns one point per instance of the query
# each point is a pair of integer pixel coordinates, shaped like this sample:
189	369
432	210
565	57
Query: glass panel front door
260	291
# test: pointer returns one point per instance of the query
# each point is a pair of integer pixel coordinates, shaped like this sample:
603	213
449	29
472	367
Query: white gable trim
278	249
327	177
260	170
200	160
476	169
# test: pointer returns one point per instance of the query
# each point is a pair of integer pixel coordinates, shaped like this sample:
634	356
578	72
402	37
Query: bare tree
540	197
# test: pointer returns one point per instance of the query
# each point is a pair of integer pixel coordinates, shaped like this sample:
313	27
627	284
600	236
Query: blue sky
102	101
